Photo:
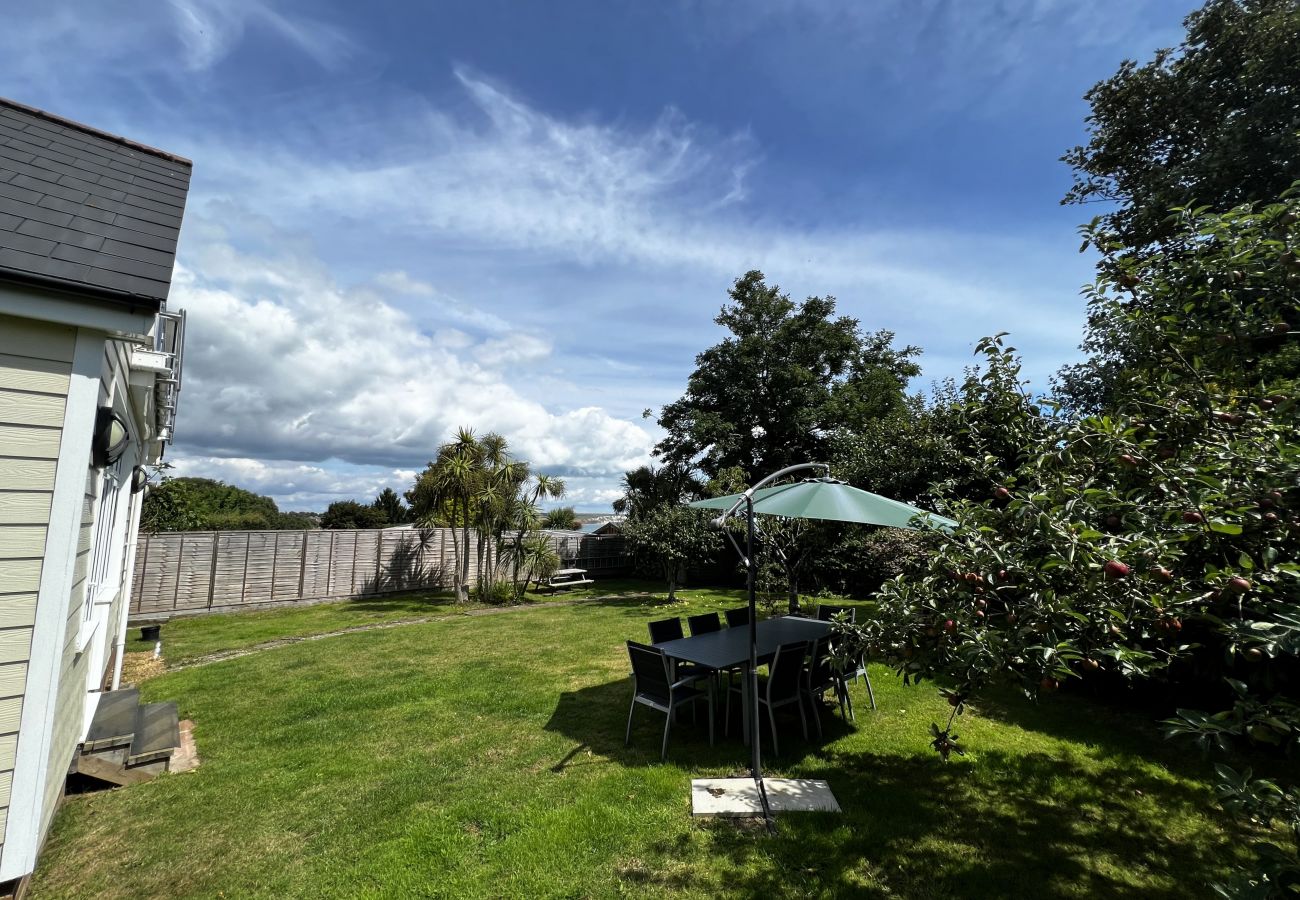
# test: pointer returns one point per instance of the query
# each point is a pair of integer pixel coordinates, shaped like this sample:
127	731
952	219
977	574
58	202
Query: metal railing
169	339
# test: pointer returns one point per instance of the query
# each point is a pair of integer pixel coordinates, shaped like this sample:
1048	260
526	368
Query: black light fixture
139	479
111	437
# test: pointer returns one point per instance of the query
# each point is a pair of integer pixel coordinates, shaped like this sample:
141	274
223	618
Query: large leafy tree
788	374
1155	543
201	504
391	505
1215	121
664	534
346	514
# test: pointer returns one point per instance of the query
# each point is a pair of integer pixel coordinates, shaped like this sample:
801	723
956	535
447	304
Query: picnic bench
567	578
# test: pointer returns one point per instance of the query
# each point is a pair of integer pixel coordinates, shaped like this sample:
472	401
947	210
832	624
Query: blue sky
524	216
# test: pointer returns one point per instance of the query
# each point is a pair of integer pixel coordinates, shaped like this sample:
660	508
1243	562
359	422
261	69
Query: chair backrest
826	612
787	670
738	616
666	630
704	623
821	671
649	670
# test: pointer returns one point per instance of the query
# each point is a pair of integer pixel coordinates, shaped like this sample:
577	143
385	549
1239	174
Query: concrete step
157	733
113	724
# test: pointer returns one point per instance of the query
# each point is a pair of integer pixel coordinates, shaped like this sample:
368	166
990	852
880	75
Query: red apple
1162	573
1239	585
1116	569
1002	492
1128	460
1089	665
1194	517
1254	654
950	626
1048	684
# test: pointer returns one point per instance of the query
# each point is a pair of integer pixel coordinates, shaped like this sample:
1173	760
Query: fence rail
204	571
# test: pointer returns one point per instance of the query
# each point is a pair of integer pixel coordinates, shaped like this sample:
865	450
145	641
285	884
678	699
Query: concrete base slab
739	796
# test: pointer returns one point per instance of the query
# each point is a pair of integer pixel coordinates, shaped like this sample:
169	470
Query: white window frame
107	543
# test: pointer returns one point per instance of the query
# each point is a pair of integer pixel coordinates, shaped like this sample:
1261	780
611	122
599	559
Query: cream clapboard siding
75	675
35	368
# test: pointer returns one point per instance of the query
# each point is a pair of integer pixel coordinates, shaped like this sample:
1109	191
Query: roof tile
85	207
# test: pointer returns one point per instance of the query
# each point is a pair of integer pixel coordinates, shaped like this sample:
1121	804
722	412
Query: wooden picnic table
567	578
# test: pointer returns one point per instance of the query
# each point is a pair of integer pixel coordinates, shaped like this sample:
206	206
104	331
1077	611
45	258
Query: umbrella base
739	797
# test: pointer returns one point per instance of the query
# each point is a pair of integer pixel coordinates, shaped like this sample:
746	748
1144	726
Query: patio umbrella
811	498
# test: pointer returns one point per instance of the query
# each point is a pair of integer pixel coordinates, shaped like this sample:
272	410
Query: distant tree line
204	504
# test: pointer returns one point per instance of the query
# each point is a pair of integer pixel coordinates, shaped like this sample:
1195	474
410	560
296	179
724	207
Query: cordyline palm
455	478
526	521
497	498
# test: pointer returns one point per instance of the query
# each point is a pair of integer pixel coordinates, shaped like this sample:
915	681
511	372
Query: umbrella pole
755	728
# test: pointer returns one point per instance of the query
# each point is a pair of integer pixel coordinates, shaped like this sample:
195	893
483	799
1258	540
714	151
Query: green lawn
188	637
482	756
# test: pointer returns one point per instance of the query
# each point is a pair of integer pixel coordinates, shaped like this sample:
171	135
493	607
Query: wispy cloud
210	29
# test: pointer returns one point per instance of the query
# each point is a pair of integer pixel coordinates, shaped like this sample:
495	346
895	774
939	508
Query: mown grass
482	756
188	637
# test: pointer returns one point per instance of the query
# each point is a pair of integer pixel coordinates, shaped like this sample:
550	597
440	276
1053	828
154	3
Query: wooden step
157	733
113	724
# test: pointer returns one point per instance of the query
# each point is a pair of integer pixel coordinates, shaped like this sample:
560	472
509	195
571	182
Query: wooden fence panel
189	572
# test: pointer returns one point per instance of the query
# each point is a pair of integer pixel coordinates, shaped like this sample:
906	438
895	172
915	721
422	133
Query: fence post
379	563
212	575
176	585
302	566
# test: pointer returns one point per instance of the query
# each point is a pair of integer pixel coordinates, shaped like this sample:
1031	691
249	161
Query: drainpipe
128	583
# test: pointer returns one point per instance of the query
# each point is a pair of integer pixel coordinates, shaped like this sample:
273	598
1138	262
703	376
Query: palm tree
447	490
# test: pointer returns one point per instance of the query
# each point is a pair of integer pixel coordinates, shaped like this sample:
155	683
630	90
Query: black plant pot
150	632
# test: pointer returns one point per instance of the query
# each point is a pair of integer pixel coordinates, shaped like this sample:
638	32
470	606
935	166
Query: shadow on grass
595	719
1032	825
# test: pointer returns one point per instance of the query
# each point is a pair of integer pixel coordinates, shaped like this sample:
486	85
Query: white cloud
283	363
210	29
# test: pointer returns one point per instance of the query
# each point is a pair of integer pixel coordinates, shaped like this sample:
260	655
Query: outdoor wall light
139	479
111	437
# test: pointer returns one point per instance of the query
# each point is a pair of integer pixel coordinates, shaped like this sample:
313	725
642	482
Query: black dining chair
666	630
784	686
827	612
653	687
820	676
704	623
738	617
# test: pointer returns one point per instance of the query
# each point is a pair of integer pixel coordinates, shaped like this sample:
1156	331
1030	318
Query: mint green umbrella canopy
827	498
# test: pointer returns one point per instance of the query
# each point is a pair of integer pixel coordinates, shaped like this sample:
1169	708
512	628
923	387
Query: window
102	544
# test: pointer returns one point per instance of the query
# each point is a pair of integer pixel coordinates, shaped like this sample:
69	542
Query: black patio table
729	647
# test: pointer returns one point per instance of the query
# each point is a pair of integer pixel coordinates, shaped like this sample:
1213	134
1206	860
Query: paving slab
739	796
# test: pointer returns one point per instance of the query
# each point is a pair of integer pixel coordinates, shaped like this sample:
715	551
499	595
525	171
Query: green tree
197	504
770	393
1156	542
647	488
671	538
475	486
562	518
390	504
171	506
351	514
1215	121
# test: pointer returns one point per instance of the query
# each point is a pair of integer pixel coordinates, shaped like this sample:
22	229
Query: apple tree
1154	540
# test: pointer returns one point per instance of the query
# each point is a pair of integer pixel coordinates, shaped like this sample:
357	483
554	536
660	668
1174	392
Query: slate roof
86	211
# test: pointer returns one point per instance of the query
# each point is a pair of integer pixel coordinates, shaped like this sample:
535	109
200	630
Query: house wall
85	661
54	656
35	368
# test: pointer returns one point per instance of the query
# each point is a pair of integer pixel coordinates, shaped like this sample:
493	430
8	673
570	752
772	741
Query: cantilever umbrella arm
751	677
